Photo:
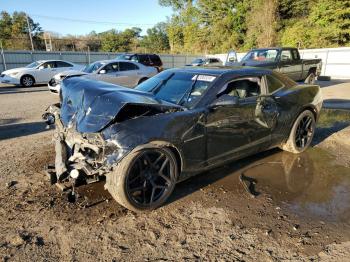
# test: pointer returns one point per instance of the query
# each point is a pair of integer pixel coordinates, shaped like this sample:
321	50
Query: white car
120	72
38	72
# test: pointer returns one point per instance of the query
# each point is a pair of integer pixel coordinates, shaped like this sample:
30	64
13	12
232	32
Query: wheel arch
160	144
26	74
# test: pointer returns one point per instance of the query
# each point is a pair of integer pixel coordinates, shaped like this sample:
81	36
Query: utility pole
30	33
3	56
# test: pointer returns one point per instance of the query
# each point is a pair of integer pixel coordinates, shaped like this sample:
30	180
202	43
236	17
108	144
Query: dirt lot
300	211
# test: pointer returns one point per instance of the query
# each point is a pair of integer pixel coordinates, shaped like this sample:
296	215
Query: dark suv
145	59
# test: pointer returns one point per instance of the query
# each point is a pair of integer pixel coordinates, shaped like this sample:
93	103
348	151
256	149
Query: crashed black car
174	125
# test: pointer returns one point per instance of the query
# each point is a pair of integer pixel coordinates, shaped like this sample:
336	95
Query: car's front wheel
302	132
27	81
144	179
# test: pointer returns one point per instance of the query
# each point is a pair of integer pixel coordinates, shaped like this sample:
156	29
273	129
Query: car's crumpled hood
91	105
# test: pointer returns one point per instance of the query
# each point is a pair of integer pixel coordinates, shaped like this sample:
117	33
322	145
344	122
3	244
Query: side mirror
225	100
102	71
41	67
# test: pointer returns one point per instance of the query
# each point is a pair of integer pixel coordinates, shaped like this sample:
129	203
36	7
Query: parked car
125	73
285	60
212	61
145	59
174	125
38	72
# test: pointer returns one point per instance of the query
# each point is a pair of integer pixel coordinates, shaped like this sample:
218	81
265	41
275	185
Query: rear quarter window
156	60
273	83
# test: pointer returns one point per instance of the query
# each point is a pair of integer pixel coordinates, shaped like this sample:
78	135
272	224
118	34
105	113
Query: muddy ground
299	209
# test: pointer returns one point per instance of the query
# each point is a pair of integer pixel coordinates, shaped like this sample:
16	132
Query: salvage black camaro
176	124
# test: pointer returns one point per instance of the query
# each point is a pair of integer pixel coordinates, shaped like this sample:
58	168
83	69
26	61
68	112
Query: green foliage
156	40
114	41
14	31
207	26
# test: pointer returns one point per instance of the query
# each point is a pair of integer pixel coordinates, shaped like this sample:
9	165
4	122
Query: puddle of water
310	184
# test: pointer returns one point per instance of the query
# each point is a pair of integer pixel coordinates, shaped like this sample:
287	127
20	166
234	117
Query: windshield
32	65
182	88
92	68
261	55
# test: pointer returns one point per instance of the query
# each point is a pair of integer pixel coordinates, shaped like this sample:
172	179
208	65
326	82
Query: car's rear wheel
144	179
302	132
27	81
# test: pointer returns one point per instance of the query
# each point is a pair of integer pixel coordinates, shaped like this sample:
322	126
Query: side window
143	59
273	83
111	68
125	66
156	60
295	54
63	64
243	88
134	58
49	65
286	55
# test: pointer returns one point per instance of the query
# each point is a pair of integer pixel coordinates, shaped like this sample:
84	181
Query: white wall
335	61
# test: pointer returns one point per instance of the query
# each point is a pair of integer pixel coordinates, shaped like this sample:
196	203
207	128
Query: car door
63	66
45	72
237	130
108	73
128	74
288	65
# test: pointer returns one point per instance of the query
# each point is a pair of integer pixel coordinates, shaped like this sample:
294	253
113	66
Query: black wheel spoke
150	177
165	178
136	189
304	132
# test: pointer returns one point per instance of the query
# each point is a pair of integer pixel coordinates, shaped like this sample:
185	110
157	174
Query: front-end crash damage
92	134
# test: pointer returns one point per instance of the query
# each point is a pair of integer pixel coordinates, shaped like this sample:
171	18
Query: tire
27	81
310	79
142	80
144	179
302	132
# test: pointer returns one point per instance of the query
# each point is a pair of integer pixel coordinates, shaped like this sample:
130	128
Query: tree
262	21
114	41
14	31
156	40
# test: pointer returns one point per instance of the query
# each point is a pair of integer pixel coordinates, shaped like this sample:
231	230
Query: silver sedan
120	72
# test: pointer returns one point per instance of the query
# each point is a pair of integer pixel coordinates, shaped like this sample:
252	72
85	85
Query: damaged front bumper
80	156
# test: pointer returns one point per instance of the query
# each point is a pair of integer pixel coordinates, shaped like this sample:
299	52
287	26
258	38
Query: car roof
53	60
220	70
276	47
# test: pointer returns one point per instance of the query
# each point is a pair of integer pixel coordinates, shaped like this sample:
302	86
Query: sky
119	14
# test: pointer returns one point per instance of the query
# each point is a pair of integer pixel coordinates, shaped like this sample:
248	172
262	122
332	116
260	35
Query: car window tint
286	55
273	83
155	60
111	68
63	64
49	65
284	79
143	59
243	88
295	54
125	66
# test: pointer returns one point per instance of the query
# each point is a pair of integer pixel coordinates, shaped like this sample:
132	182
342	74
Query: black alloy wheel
151	177
304	132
